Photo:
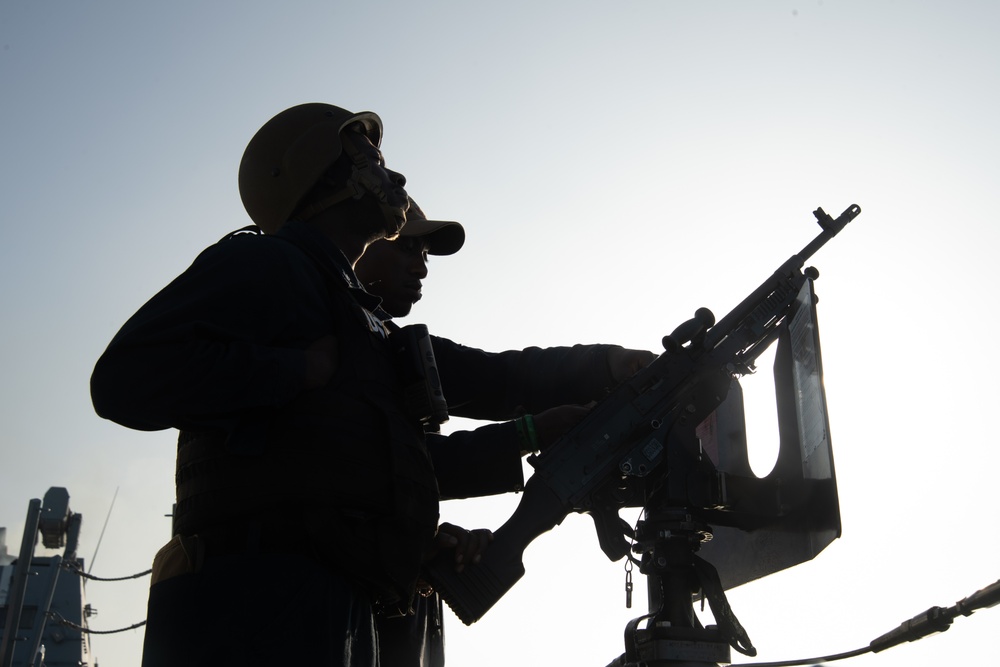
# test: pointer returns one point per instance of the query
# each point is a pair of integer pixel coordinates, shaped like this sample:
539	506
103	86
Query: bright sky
616	165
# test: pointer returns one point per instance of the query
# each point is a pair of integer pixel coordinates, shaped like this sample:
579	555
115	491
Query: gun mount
713	524
671	440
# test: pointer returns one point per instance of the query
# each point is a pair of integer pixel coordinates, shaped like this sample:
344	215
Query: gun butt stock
473	591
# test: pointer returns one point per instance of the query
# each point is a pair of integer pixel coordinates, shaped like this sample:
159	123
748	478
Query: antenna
103	528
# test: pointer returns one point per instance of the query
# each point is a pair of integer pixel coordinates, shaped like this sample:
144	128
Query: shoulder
251	257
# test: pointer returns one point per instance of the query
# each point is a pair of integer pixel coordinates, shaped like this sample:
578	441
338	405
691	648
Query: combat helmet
289	155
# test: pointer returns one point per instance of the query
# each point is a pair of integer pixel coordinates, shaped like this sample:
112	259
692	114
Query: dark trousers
272	609
416	640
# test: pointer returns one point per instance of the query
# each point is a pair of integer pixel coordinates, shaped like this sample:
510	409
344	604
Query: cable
103	528
936	619
932	621
74	568
810	661
55	615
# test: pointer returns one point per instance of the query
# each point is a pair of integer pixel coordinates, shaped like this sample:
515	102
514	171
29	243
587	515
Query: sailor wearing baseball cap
394	270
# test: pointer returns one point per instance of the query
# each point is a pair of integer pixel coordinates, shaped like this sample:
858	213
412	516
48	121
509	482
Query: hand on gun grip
468	545
624	363
551	424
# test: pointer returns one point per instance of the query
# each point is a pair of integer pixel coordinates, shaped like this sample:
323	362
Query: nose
397	178
418	267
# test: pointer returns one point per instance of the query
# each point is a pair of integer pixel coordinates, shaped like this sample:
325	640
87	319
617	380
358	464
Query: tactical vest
343	463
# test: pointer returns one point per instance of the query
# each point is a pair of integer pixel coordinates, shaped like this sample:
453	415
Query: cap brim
444	237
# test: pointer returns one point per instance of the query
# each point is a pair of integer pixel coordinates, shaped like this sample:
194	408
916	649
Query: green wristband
526	434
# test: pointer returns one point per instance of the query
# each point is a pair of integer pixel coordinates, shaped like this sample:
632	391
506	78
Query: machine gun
643	446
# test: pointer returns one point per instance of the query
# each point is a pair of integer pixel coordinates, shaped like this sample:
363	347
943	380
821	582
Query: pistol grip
611	531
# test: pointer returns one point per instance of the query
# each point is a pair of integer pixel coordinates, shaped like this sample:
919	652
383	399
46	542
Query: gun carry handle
689	331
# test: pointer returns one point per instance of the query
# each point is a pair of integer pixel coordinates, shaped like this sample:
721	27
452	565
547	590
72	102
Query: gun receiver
622	451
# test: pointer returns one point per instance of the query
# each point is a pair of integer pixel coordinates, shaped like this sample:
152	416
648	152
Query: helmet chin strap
361	182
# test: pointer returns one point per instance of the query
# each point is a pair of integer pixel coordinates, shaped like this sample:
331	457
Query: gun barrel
830	227
786	271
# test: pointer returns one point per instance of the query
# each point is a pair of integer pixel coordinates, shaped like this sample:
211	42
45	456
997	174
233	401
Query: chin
401	309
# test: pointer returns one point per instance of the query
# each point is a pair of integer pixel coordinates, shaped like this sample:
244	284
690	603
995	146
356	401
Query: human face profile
394	270
387	185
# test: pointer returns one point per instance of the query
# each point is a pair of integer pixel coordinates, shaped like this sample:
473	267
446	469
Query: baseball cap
443	237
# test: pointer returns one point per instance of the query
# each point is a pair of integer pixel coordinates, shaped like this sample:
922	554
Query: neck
350	237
